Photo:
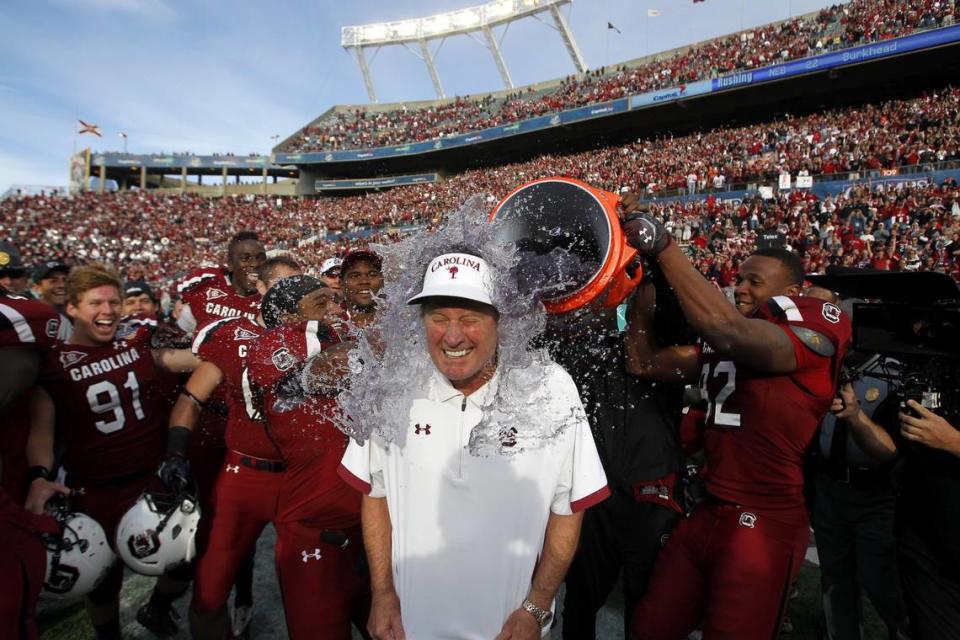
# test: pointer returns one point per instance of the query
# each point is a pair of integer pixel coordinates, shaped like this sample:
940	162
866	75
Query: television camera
906	329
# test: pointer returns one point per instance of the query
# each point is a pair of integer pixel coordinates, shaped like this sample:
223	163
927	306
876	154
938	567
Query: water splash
382	383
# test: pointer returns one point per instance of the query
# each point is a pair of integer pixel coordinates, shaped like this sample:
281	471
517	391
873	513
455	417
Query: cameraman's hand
846	405
929	429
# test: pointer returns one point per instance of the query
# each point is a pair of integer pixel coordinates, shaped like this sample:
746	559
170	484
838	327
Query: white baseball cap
456	275
330	263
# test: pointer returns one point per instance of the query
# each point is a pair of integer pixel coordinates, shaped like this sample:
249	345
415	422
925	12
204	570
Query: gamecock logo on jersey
831	313
748	520
282	359
70	358
213	294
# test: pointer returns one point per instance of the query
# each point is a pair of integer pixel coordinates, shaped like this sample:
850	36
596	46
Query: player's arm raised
755	343
326	371
644	357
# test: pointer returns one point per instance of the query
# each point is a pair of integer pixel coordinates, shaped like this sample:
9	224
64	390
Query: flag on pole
653	13
610	25
86	127
122	135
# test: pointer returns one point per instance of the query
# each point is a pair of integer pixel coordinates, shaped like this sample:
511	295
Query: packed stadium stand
837	27
871	155
915	134
918	221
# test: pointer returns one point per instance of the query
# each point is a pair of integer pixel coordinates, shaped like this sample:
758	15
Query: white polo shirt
468	530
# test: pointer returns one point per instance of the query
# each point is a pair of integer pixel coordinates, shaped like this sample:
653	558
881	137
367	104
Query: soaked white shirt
467	530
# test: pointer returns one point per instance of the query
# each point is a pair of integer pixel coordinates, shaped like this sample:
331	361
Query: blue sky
226	75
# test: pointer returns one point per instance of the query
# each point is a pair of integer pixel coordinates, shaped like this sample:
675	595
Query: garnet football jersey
300	426
27	324
225	343
208	295
108	407
759	425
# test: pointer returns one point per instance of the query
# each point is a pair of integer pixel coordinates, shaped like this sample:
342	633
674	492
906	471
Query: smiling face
462	340
361	282
331	278
243	262
53	288
319	304
759	279
140	303
95	316
15	281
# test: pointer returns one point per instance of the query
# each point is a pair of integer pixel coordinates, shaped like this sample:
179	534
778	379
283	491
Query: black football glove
174	472
646	234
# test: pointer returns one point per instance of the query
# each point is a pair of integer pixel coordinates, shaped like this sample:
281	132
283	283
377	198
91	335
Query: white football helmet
77	559
157	533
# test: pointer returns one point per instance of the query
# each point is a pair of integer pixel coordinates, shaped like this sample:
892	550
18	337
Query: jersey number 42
715	393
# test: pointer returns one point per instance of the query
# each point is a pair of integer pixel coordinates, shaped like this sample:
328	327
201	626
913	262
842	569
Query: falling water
380	388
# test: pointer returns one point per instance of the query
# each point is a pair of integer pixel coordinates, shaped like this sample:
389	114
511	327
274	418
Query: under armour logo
233	468
315	555
644	234
748	520
453	272
417	429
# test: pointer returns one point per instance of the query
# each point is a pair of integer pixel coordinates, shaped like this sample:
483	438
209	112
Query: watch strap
542	616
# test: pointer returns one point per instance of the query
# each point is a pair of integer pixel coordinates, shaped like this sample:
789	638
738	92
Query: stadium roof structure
470	21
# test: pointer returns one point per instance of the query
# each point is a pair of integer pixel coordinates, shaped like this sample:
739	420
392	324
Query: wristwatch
542	616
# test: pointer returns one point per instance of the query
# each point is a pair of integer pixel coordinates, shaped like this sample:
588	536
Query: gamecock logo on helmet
143	544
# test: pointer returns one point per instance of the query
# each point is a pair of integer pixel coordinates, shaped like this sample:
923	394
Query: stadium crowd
836	27
250	438
159	236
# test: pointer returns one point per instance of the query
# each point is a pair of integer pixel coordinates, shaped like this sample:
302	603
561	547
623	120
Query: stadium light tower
471	21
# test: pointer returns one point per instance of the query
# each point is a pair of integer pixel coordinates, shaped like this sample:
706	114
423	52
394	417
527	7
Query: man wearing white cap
330	273
463	545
